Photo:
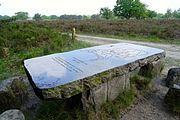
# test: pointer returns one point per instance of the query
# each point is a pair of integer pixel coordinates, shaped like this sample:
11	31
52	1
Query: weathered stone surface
106	91
152	69
173	77
94	97
66	74
117	85
172	98
12	115
13	93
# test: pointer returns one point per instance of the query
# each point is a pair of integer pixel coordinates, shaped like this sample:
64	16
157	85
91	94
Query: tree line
124	9
37	16
127	9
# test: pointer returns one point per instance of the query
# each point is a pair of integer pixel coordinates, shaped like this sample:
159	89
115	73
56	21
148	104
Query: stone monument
98	73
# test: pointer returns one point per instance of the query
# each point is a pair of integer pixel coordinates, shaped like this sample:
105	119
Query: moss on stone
112	109
63	91
141	83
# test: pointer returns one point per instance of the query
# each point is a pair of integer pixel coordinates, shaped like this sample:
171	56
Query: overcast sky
79	7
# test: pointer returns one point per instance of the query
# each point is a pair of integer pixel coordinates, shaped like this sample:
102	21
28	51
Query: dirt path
149	107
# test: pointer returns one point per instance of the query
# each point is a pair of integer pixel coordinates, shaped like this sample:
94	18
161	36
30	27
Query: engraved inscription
67	65
115	52
79	61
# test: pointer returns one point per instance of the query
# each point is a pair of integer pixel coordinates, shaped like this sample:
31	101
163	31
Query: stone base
172	98
152	69
111	88
108	91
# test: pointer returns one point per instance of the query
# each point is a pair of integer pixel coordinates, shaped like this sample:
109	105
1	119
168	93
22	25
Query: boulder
12	115
172	98
173	77
13	92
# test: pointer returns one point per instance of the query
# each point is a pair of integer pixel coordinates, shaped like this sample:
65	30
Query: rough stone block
97	96
117	85
152	69
172	98
173	77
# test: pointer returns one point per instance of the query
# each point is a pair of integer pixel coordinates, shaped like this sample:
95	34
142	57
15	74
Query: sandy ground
150	107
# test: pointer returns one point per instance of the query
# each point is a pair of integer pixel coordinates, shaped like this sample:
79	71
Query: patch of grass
141	83
177	108
52	110
112	110
57	110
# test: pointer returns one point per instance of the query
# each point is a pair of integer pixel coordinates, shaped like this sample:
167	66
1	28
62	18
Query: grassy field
25	40
167	31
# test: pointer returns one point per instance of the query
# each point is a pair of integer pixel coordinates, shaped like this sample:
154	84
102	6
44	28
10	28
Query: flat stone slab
61	69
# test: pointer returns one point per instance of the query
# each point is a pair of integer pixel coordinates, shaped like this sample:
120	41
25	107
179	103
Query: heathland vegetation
23	40
129	19
164	30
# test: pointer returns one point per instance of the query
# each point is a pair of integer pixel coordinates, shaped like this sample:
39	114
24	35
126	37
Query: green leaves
130	8
106	13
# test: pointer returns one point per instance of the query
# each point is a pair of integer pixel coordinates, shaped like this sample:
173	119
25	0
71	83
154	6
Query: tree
5	17
176	13
151	14
106	13
85	17
53	17
37	17
130	8
168	13
71	17
21	15
95	16
160	16
44	17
